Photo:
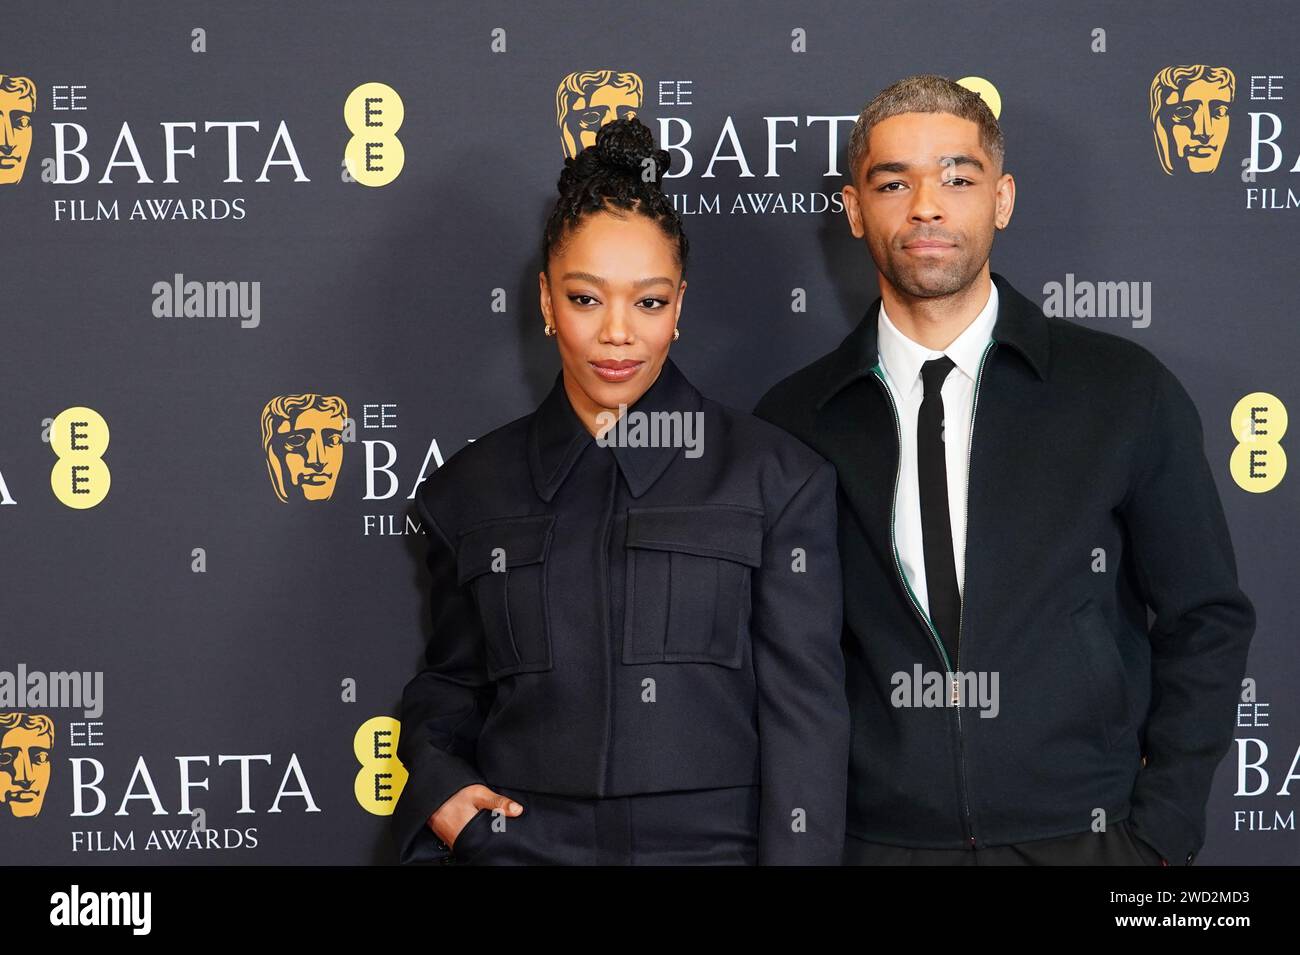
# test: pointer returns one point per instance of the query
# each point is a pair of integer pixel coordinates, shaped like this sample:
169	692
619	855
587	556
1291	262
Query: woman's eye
655	303
575	298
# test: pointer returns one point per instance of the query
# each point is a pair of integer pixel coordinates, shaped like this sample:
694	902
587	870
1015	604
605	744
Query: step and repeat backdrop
266	266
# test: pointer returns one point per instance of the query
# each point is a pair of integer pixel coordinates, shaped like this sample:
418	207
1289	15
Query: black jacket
1090	500
621	620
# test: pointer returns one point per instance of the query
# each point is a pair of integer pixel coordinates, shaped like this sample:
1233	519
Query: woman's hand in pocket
454	814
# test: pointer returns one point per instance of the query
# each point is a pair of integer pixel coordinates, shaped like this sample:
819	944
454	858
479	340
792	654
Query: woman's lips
616	370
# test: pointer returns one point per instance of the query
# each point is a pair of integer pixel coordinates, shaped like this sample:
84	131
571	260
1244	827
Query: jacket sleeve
803	715
1202	628
442	708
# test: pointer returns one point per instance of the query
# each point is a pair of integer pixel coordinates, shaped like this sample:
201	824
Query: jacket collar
901	358
1020	324
557	437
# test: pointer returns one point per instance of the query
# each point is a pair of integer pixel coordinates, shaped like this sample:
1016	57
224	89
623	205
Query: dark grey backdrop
385	296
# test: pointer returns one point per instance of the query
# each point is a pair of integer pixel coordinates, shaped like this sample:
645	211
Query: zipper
970	445
961	613
898	563
898	566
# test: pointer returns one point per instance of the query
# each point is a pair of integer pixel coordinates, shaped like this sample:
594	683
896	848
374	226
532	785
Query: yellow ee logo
79	437
1258	461
374	155
381	778
986	91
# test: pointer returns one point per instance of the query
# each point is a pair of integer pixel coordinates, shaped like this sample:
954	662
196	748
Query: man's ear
852	211
1006	201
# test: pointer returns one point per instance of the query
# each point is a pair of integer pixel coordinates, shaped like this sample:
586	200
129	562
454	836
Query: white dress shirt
901	359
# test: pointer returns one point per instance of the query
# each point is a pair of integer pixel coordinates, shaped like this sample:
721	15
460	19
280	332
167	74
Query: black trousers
690	827
1117	845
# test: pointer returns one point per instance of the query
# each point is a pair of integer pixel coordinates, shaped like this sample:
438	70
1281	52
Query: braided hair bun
623	169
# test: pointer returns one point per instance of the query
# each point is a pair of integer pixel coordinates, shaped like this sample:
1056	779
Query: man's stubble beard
934	279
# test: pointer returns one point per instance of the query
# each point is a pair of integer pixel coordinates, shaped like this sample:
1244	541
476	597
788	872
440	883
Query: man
1015	493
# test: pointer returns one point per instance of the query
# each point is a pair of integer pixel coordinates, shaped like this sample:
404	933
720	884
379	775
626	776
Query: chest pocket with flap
688	582
504	561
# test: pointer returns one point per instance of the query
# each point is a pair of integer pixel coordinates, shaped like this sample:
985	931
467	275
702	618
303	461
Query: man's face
15	135
927	199
1197	121
311	453
24	771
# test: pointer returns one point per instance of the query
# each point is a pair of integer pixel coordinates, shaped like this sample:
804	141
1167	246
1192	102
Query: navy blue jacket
620	620
1090	501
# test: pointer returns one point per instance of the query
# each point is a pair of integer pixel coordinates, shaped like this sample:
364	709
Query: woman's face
614	295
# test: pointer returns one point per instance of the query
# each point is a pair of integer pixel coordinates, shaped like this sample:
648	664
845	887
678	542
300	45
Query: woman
636	591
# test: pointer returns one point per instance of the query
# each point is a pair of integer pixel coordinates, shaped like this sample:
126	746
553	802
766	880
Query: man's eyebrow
597	280
961	159
877	168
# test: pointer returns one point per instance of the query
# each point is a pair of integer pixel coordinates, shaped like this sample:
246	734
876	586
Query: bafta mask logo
586	101
1189	116
25	743
17	103
302	436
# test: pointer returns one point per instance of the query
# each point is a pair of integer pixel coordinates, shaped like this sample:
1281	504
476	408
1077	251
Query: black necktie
936	528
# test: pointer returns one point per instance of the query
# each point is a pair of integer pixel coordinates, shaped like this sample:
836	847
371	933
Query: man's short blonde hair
925	93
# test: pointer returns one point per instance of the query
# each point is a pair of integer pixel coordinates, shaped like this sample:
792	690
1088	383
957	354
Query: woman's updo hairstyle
622	168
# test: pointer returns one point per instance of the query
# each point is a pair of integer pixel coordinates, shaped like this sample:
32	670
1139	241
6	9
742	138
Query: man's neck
936	322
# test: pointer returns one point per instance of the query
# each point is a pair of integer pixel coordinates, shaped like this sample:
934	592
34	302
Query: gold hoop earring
549	329
676	334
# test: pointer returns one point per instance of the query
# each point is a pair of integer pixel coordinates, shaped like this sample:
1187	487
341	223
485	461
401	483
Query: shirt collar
903	357
557	437
1020	324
